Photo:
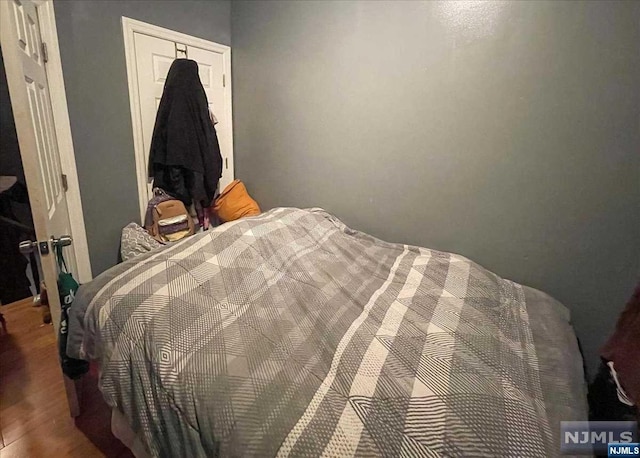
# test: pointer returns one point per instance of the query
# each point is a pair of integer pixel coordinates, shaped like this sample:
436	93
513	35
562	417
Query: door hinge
226	163
45	53
224	80
65	183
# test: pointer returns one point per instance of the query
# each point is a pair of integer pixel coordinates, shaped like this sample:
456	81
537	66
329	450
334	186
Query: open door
25	59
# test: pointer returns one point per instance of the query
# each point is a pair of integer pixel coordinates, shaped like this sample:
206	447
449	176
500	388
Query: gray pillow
135	241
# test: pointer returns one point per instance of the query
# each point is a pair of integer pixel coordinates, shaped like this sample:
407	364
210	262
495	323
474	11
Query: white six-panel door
29	91
150	51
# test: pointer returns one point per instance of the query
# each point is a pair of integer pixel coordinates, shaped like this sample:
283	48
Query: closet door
153	58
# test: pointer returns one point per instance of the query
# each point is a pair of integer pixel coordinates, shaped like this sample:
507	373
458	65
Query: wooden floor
34	417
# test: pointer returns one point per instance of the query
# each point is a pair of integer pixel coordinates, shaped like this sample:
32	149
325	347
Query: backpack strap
158	195
62	264
159	192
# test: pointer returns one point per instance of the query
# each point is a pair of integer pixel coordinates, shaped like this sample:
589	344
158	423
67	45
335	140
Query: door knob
27	246
63	240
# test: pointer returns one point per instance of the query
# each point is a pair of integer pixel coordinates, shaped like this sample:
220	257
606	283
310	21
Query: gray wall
506	132
94	67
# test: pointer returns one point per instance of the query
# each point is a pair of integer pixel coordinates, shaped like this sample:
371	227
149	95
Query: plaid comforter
291	334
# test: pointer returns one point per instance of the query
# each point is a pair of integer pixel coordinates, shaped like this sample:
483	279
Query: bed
291	334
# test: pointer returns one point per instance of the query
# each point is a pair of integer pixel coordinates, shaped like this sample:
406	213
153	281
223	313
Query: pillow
235	203
135	241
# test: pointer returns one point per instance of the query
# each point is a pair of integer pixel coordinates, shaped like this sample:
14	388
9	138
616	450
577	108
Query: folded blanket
623	348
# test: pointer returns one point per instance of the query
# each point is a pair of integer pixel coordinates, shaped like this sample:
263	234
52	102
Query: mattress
291	334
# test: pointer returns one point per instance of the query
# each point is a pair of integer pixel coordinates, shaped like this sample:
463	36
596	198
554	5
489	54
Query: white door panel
27	81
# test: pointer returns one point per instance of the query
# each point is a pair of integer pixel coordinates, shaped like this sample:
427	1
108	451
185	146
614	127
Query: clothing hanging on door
185	159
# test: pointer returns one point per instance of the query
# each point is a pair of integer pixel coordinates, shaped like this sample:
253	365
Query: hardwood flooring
34	416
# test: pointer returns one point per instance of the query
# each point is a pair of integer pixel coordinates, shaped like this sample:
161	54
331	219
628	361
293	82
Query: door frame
131	26
62	127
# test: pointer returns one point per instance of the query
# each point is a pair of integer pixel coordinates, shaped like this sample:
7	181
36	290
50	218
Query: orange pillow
235	203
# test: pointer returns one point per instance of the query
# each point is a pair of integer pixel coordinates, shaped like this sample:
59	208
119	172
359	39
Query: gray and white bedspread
291	334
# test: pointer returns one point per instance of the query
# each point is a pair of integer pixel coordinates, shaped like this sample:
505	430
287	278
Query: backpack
167	219
67	287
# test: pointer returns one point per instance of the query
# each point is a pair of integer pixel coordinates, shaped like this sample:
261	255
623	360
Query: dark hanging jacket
185	159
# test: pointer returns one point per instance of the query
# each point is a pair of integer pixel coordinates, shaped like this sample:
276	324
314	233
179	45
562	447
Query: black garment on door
185	159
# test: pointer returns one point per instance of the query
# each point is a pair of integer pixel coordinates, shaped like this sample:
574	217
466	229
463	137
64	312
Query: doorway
20	278
31	58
